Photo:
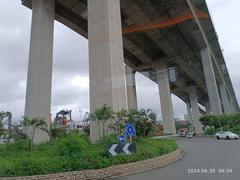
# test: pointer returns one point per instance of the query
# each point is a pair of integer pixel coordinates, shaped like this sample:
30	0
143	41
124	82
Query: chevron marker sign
117	149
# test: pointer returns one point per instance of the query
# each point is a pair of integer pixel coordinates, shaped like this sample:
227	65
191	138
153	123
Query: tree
119	121
7	133
35	124
104	114
146	122
17	132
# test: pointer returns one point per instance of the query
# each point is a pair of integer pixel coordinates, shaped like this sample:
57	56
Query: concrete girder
144	66
157	35
133	49
208	45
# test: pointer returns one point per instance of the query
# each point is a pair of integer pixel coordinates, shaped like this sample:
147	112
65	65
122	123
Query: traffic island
110	172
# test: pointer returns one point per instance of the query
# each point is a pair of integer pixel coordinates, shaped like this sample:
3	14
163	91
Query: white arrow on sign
112	150
125	149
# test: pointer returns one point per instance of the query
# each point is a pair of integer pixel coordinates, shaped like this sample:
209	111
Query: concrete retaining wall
109	172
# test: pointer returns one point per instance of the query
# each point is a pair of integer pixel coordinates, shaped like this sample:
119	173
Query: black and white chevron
116	149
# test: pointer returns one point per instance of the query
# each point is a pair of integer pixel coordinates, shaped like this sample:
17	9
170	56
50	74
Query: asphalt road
204	159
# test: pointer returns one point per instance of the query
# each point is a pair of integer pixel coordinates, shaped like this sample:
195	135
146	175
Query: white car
189	134
226	135
182	133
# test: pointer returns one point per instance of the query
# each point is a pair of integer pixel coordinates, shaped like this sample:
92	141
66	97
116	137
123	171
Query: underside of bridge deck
177	45
161	33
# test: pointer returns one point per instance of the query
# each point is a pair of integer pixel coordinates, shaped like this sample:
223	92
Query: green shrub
72	145
73	152
57	132
236	129
19	145
210	131
227	122
108	140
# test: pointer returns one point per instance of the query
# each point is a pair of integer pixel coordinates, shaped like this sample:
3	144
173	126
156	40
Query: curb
152	168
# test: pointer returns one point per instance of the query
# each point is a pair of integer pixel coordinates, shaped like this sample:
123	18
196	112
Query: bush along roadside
73	152
212	124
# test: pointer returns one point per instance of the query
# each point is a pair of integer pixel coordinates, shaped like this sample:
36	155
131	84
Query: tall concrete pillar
225	100
189	112
39	79
166	101
195	110
131	88
106	63
211	82
234	108
208	107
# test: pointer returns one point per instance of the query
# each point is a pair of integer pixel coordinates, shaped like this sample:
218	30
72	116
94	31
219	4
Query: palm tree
119	120
102	115
147	120
35	124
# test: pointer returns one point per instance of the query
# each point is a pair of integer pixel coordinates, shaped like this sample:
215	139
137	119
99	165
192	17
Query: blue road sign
130	129
122	139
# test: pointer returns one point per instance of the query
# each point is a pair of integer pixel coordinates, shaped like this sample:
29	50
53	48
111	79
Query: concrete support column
211	82
131	88
106	63
233	108
189	111
166	101
39	79
208	108
195	110
225	101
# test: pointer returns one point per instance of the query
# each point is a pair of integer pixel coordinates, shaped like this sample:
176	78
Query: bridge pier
106	61
225	100
211	82
39	79
166	101
189	112
195	109
208	107
131	88
233	107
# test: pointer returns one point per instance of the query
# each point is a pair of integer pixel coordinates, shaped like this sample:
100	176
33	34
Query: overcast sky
70	69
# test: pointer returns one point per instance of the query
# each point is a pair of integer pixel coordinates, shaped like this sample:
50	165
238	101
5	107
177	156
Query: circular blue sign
122	139
130	130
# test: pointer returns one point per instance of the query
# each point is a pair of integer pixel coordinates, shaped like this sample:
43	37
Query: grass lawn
71	153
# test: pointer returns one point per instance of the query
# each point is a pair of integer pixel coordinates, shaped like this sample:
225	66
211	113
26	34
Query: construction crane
63	117
8	116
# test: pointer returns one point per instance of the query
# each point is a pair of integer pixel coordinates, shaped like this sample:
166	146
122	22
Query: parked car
226	135
182	133
189	134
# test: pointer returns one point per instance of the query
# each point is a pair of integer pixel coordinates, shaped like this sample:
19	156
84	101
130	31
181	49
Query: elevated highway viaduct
172	42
